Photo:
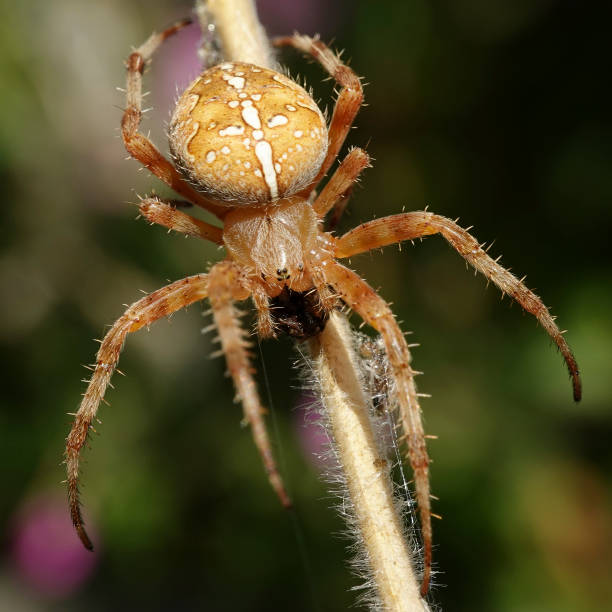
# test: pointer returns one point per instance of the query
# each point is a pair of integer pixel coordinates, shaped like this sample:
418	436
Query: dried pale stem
242	36
365	470
367	474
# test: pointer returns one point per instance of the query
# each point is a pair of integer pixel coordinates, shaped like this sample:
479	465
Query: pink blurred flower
307	16
178	64
312	435
46	551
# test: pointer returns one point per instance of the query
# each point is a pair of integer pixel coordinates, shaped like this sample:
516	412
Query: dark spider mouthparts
298	313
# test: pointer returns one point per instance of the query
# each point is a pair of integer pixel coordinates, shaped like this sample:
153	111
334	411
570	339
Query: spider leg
408	226
226	285
349	99
149	309
374	310
138	145
265	322
162	213
331	223
341	181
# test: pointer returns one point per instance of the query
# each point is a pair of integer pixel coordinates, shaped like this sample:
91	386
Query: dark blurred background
496	112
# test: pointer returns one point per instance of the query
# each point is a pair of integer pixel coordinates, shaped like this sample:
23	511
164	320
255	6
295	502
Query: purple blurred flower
178	65
307	16
178	62
46	551
312	435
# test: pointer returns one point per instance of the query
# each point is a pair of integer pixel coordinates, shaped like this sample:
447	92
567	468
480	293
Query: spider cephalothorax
251	146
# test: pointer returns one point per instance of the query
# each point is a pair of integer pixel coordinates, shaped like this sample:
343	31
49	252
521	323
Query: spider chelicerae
251	146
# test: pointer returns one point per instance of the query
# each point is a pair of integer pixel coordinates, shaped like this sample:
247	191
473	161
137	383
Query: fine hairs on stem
365	472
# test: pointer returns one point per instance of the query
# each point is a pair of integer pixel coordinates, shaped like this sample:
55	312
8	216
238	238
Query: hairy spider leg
408	226
228	284
266	327
341	181
138	145
149	309
331	223
347	104
375	312
163	213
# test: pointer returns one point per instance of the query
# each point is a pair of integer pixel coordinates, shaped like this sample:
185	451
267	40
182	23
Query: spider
251	146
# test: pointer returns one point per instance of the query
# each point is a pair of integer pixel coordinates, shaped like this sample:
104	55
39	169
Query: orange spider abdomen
247	135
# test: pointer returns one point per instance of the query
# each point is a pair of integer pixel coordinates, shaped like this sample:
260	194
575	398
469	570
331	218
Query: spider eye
282	274
247	135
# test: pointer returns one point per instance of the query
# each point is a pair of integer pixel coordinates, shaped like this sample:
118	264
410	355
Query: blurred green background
493	111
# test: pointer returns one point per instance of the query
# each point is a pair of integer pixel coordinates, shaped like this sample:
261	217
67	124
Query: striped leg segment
162	213
341	181
138	145
227	285
408	226
149	309
349	99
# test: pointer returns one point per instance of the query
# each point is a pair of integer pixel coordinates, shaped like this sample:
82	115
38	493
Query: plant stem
242	36
366	472
337	371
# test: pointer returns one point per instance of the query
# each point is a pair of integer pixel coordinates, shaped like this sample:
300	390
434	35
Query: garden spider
251	146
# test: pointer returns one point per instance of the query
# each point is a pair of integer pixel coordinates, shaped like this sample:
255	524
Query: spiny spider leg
347	104
149	309
375	312
342	180
331	223
159	212
408	226
265	321
138	145
226	285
